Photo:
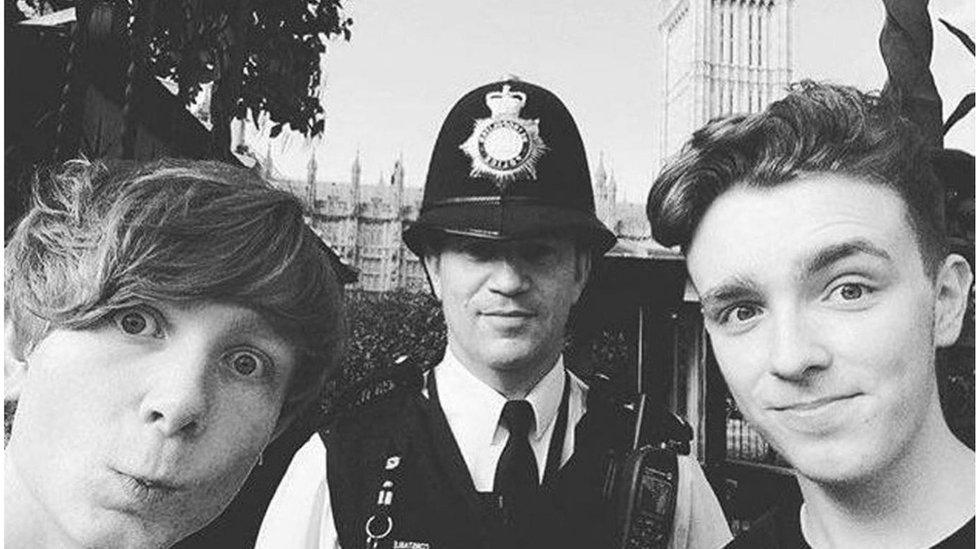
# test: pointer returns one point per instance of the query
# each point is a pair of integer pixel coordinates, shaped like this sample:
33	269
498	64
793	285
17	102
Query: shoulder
693	487
380	394
300	501
311	456
385	408
699	520
689	468
307	467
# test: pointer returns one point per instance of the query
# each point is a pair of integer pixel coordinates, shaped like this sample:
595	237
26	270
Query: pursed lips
509	313
150	487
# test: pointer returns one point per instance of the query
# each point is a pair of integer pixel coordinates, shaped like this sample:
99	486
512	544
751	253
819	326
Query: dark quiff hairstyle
816	128
98	239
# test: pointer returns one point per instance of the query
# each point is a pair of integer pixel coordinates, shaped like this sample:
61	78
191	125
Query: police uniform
412	465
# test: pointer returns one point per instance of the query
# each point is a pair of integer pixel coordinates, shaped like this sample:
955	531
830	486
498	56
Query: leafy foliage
262	57
388	326
267	51
957	391
967	103
385	327
962	36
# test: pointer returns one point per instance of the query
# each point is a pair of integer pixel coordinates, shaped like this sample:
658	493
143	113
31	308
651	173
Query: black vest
433	499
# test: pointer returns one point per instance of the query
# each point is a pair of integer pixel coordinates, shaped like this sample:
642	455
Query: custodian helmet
508	163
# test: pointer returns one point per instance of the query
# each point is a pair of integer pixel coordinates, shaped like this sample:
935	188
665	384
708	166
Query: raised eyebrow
256	326
729	290
827	256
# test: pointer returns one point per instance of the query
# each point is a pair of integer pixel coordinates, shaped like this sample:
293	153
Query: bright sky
389	88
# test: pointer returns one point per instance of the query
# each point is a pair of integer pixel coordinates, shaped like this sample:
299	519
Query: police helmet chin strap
430	283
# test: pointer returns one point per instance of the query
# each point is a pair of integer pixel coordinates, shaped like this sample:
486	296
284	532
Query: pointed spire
357	163
397	179
357	170
601	173
355	181
312	177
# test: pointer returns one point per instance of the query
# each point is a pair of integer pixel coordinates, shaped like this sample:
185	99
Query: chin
507	353
833	463
127	533
160	528
507	361
511	355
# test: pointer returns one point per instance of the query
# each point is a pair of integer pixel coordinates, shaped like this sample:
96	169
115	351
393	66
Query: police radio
641	477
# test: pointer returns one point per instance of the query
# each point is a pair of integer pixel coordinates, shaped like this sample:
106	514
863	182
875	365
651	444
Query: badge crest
505	146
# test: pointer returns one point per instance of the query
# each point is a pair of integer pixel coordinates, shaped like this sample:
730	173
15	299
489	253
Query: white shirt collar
474	408
545	398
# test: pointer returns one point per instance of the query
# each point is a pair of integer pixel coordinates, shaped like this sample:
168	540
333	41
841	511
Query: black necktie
517	475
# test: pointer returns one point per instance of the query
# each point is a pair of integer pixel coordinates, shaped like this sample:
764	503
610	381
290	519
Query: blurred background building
363	222
720	57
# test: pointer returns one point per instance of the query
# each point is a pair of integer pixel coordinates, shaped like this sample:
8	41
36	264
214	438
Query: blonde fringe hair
100	238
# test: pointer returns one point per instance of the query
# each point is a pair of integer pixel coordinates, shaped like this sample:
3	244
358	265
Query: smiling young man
491	447
163	324
815	236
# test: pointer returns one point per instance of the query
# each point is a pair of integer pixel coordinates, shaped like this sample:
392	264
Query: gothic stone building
720	57
364	223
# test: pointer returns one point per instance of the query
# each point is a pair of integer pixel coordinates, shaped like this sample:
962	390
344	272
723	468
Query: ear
952	289
14	361
432	264
584	265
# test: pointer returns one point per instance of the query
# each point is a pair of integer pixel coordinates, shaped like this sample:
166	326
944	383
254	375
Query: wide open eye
852	295
247	363
739	314
137	322
849	292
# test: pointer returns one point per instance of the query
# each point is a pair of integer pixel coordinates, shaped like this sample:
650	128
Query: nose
796	349
508	277
177	400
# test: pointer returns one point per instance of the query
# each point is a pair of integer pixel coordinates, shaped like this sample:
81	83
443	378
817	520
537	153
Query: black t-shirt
780	529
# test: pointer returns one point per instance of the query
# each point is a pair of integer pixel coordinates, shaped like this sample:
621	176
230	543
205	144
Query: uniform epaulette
404	375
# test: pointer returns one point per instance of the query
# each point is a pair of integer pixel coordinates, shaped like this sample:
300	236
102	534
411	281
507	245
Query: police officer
492	447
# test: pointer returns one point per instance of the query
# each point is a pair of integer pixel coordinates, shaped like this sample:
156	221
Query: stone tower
720	57
311	176
355	177
605	194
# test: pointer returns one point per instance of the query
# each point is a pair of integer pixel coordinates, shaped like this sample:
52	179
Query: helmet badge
504	147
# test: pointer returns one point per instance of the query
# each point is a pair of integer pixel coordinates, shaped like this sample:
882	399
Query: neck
513	381
916	501
26	522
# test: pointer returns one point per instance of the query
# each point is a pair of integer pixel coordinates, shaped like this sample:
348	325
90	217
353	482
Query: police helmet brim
505	221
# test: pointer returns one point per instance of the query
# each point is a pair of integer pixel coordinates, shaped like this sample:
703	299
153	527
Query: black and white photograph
635	274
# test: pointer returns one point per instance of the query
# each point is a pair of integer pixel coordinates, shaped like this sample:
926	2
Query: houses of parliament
364	222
